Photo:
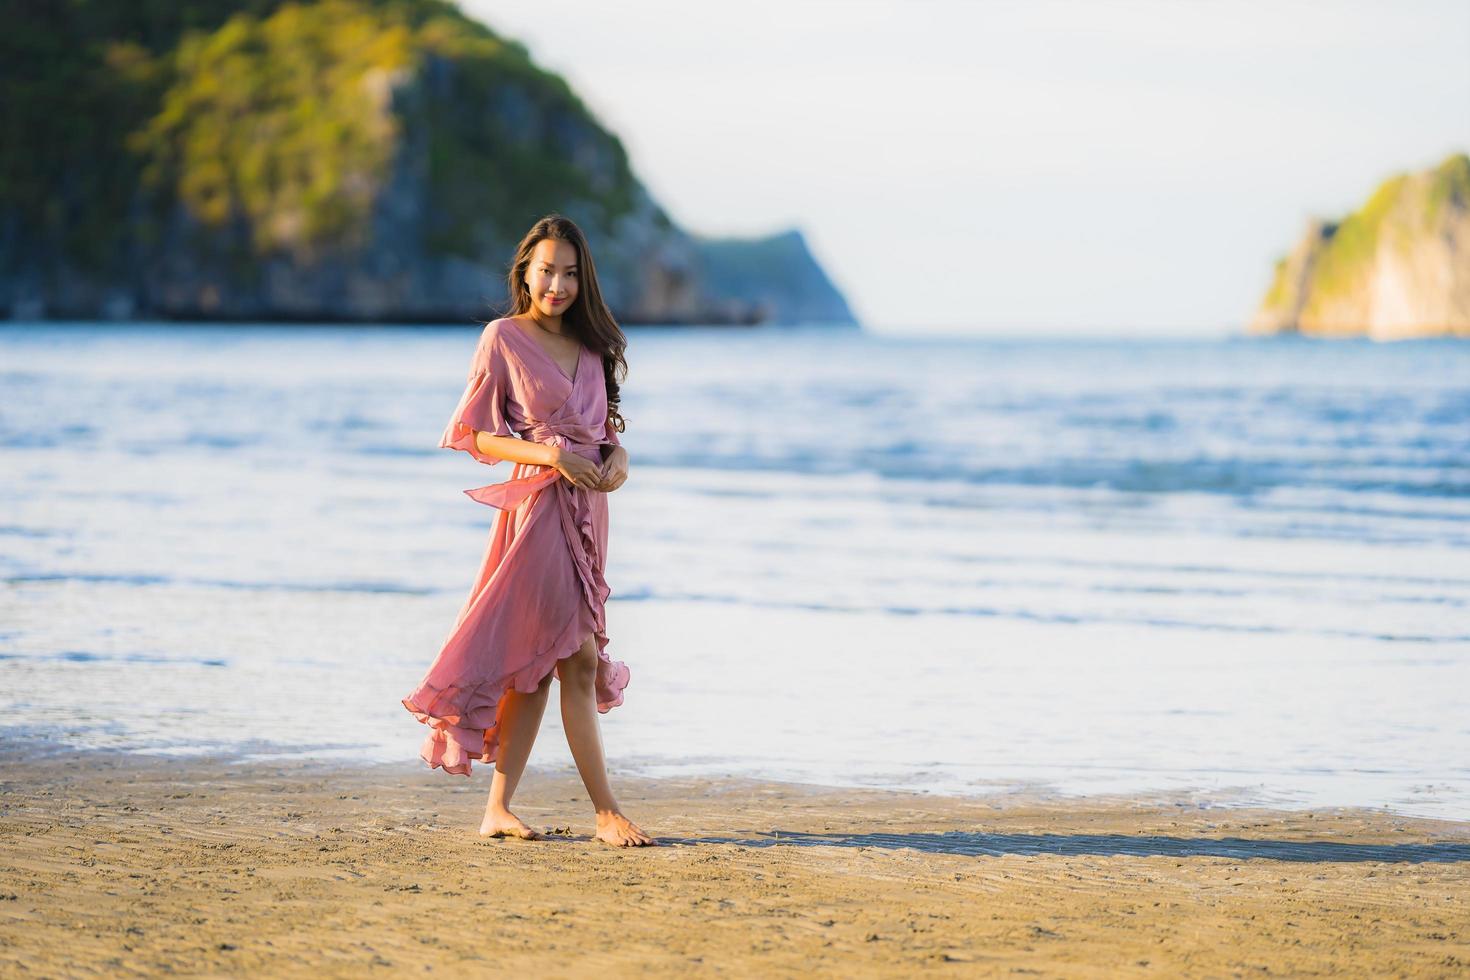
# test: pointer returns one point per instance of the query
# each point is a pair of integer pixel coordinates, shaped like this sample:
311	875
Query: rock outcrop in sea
355	160
1398	267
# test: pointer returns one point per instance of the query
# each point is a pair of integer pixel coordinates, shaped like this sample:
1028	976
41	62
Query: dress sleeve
482	406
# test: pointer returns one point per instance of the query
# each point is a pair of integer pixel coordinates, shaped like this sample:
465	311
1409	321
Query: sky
1018	168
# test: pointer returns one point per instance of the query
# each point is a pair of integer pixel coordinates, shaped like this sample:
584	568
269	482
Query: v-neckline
577	368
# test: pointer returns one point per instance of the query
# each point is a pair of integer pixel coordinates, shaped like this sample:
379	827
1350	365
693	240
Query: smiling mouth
553	299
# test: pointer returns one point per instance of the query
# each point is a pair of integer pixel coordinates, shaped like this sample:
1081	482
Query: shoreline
134	864
25	747
1000	794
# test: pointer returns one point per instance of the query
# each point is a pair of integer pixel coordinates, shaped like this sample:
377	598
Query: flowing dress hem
457	738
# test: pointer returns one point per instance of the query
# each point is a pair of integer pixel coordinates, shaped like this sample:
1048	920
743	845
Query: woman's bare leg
520	719
579	719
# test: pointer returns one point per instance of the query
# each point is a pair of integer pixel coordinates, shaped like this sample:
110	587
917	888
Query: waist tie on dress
576	518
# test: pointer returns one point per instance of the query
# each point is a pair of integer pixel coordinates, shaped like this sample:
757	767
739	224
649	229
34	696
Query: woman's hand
614	470
579	470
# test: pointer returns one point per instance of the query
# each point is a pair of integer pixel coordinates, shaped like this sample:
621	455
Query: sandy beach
135	865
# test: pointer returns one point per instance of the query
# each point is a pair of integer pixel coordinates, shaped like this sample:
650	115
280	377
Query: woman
541	392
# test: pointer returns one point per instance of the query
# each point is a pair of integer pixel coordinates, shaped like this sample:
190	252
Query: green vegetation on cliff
357	160
1353	243
278	120
1449	188
1397	266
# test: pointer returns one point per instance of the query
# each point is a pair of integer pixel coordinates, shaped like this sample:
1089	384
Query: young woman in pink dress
541	393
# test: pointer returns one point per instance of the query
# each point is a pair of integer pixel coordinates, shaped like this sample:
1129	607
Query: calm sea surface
1232	570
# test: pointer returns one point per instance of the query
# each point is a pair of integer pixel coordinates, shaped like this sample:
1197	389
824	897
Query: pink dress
540	589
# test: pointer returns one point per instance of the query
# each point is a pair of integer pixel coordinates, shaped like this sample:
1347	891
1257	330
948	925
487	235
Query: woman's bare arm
517	450
577	469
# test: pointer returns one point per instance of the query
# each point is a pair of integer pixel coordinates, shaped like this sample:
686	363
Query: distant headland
336	160
1398	267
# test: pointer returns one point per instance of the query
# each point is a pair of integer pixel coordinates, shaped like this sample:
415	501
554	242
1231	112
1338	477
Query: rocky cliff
776	273
325	160
1398	267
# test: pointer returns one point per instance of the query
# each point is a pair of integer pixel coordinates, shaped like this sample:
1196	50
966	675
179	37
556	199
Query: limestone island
1397	268
330	160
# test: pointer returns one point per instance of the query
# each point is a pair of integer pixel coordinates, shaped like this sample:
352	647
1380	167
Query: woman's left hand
614	470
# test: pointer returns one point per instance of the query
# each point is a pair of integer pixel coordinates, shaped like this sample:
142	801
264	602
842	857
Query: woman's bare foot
618	830
500	822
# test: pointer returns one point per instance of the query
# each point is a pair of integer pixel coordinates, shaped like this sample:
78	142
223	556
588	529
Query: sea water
1226	569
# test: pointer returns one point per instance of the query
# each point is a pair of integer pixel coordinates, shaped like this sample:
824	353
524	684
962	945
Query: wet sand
130	865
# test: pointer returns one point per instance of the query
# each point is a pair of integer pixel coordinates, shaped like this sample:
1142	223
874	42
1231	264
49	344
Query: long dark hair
588	318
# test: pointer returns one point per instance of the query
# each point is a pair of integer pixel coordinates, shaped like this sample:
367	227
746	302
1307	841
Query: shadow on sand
964	842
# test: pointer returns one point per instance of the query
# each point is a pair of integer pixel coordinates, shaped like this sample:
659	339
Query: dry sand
127	865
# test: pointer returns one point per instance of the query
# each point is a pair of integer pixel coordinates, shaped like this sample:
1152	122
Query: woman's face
552	277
